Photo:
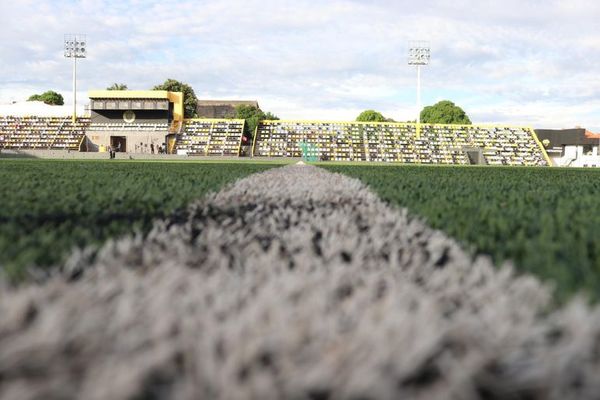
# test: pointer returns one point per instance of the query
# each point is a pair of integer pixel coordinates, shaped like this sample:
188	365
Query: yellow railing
541	146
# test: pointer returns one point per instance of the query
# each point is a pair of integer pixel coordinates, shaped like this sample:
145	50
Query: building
134	121
221	108
576	147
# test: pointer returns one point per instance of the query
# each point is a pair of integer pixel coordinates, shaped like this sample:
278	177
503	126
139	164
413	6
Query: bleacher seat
335	141
43	133
211	137
398	142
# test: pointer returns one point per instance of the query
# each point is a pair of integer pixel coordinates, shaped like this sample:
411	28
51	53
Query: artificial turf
543	219
47	207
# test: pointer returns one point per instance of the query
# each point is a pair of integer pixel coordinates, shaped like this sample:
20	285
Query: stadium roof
128	94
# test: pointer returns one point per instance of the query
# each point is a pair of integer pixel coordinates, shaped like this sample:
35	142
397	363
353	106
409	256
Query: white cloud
517	61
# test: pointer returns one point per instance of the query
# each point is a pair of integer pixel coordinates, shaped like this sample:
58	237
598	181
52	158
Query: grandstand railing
59	130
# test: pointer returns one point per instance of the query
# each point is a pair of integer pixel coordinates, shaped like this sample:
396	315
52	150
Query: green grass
544	219
47	207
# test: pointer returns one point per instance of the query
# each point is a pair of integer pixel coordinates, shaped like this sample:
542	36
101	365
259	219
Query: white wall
574	157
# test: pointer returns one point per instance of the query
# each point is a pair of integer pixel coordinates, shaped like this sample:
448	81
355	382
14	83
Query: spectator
151	148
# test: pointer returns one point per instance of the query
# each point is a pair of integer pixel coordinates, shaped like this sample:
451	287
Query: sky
518	62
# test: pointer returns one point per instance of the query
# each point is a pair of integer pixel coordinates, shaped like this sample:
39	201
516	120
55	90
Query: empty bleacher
211	137
44	133
327	141
398	142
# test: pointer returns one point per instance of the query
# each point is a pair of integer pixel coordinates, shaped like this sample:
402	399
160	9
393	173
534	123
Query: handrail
81	142
58	131
541	146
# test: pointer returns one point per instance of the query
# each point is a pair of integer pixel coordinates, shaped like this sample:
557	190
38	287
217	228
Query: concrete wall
216	111
136	142
75	155
221	108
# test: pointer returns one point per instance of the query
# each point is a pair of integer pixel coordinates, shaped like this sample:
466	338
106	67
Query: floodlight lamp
75	46
419	53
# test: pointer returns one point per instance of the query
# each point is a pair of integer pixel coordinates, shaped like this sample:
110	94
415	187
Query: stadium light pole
419	54
75	47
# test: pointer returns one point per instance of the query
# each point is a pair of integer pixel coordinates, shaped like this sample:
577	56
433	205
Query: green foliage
371	116
50	97
253	116
117	86
190	101
543	219
444	112
49	207
271	117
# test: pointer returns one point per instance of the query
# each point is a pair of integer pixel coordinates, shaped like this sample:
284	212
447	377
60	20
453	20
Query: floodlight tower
419	54
75	47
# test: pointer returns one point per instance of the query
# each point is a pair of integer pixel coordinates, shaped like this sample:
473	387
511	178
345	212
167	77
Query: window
588	149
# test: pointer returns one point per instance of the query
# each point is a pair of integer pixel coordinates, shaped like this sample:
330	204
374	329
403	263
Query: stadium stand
44	133
398	142
211	137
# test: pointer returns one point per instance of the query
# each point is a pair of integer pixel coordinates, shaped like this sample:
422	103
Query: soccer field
290	263
49	206
542	219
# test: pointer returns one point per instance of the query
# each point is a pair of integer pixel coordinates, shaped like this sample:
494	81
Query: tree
190	101
50	97
253	116
444	112
270	116
371	116
117	86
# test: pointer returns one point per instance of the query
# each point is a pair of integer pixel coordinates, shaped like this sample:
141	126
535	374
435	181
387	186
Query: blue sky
525	62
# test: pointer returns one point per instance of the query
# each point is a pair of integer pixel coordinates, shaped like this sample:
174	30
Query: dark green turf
47	207
545	219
